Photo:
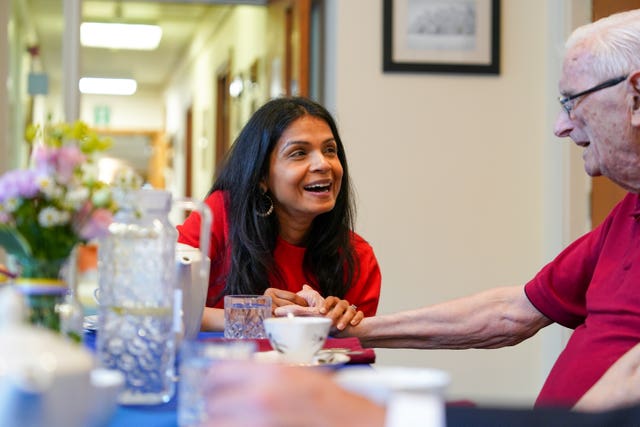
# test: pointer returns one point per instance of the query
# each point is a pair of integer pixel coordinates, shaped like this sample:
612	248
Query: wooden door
223	105
188	142
604	193
288	45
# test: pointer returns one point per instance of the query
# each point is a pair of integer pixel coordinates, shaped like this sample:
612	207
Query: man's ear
634	79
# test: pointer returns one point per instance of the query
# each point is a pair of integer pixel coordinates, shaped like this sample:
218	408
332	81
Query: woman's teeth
317	188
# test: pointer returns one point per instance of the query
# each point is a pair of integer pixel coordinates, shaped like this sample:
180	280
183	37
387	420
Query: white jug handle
206	218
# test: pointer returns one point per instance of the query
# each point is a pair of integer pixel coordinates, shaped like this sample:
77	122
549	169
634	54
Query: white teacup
297	338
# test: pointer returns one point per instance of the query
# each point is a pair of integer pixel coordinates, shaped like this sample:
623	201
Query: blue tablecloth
164	415
143	416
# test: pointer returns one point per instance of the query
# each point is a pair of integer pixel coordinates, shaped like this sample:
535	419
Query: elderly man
593	286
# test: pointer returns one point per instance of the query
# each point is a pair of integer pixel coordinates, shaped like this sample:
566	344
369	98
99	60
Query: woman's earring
267	205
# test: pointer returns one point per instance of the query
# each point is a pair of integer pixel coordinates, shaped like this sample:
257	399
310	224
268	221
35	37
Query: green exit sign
101	115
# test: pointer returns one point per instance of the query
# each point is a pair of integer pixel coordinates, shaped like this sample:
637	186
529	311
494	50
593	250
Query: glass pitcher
139	301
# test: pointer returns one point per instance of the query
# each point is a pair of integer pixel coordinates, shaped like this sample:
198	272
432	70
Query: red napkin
357	354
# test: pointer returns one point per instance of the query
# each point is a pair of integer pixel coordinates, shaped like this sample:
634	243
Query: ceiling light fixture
101	86
120	36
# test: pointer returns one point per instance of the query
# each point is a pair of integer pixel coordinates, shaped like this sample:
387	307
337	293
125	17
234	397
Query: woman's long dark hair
329	257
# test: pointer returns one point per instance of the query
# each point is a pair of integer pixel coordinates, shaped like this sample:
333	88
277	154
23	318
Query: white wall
140	112
235	40
452	177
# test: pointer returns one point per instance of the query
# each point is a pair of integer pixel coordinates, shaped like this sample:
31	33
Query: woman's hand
341	312
338	310
312	302
281	298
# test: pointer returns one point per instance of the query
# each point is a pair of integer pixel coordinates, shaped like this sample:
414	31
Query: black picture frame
420	46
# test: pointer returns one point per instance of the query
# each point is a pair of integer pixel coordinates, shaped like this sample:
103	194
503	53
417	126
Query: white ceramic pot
193	281
47	380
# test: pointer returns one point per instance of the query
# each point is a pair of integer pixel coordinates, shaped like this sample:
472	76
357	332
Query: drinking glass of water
196	357
243	315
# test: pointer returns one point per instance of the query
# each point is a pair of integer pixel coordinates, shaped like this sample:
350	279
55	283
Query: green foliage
13	242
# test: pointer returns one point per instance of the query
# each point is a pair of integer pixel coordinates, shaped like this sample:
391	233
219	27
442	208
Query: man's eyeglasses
568	103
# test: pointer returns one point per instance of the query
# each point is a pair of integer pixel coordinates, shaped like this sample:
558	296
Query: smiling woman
305	175
283	217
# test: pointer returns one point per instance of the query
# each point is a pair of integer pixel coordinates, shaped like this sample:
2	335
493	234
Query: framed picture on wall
441	36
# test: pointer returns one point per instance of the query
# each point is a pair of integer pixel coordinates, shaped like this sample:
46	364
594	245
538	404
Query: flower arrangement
57	202
47	209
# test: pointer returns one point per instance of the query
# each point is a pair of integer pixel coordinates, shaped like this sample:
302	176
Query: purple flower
19	183
44	157
63	160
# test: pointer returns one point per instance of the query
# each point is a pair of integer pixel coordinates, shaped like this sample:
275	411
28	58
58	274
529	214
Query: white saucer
335	359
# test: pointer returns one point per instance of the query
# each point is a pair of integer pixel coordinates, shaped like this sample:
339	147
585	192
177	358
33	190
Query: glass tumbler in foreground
195	359
243	315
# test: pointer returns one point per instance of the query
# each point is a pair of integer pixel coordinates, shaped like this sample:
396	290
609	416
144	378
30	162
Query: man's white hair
614	42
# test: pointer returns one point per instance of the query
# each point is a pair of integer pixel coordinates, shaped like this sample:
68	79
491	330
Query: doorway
222	117
604	193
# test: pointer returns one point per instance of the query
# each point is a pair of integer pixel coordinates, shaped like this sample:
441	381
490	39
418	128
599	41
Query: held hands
282	298
309	302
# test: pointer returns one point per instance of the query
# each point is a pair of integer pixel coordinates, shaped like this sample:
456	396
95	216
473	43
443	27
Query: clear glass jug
139	301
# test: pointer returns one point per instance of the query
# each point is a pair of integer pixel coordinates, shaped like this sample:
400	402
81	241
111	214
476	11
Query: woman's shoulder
217	200
217	196
359	243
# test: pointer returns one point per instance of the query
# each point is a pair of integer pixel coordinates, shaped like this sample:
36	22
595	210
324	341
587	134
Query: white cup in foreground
196	357
107	384
297	338
413	396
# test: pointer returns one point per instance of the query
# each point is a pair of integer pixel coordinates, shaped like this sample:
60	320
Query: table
165	415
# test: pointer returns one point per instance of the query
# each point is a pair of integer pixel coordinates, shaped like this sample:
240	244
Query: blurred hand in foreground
270	395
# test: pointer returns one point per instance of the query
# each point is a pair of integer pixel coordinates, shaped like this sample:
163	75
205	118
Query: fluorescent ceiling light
120	36
100	86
